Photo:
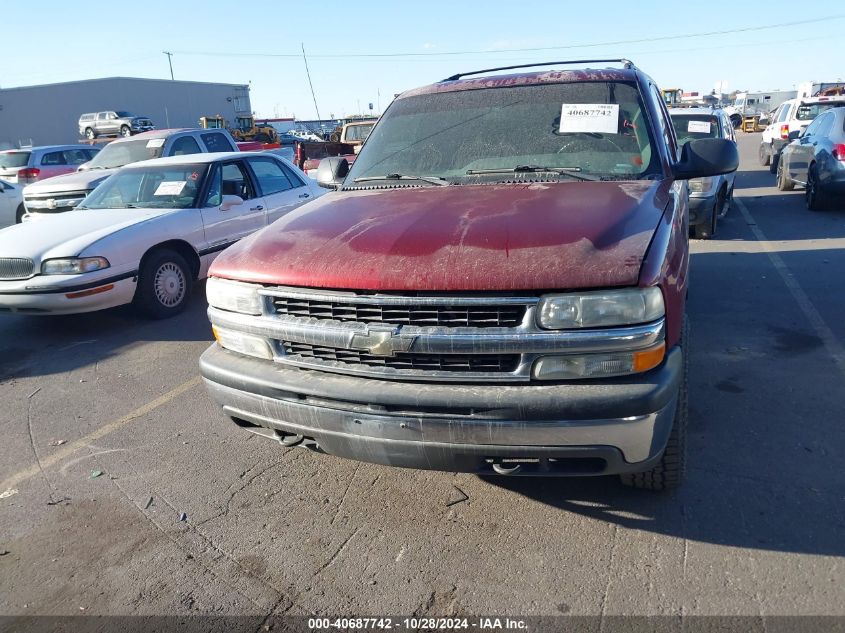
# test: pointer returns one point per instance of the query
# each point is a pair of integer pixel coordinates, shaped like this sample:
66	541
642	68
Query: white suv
792	115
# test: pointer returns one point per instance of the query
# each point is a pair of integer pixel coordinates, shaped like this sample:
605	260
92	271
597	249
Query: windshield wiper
434	180
530	169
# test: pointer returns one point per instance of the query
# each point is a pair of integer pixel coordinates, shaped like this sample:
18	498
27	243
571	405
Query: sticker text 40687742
595	118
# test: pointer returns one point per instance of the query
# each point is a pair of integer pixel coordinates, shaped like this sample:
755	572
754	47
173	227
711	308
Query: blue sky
216	43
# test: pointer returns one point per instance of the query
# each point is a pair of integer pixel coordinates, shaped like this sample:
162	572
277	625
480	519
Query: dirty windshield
123	153
172	187
690	127
568	131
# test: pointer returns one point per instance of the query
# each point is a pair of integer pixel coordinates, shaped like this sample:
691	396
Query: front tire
164	284
670	470
764	155
784	181
19	214
707	230
90	134
125	131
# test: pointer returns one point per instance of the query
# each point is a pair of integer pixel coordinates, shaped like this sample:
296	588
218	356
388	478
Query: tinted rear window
808	112
14	159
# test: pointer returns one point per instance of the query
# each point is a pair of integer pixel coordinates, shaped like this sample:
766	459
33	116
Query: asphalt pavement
123	491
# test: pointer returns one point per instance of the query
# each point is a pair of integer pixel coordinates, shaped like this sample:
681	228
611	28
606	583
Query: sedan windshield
689	127
545	131
166	187
123	153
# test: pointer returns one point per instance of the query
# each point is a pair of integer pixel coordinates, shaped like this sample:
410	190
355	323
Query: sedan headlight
234	296
699	185
73	265
627	306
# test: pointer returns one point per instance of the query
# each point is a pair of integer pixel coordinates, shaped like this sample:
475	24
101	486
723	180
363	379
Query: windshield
123	114
597	128
691	127
809	111
13	159
125	152
170	187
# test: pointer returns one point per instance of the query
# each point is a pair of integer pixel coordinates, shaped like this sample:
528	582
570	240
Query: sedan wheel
125	131
164	284
784	182
89	134
812	194
764	155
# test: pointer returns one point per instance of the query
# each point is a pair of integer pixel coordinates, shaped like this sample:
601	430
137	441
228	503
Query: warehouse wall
45	115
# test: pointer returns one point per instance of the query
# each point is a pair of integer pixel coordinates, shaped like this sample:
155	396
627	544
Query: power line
746	29
308	72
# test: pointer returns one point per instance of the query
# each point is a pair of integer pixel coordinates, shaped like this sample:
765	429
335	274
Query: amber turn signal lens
649	359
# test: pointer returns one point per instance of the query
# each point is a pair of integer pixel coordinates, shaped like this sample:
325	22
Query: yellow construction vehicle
245	128
672	96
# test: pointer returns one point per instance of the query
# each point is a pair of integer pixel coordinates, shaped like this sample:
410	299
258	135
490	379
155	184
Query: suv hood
537	236
77	181
68	234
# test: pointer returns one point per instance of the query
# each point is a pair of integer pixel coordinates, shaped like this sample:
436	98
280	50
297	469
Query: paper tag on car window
170	188
599	118
156	142
701	127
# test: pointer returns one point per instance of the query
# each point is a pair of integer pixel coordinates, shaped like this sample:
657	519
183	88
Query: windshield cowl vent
370	187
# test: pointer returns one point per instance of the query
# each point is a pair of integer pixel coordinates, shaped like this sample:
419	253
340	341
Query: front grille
15	268
443	315
458	363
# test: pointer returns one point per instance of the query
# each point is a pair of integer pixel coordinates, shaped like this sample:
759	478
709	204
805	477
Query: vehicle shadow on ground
44	345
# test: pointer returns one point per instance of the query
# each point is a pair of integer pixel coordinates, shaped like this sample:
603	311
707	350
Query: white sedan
146	234
11	203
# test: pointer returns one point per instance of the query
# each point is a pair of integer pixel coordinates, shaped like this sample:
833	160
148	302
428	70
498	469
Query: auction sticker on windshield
170	188
702	127
156	142
596	118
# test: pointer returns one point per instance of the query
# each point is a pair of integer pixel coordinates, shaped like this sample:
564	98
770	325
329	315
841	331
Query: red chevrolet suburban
496	286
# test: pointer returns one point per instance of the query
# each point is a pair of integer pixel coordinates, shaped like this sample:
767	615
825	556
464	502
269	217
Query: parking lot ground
193	516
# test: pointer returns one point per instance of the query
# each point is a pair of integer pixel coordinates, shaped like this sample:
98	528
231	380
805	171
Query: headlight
242	343
234	296
73	265
699	185
628	306
597	365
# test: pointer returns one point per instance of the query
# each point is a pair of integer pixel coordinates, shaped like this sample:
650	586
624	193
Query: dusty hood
469	237
67	234
77	181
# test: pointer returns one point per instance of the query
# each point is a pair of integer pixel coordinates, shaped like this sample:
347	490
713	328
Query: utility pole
308	72
170	62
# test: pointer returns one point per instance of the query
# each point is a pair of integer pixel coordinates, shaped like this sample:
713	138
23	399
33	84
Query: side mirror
707	157
83	166
332	171
794	134
230	201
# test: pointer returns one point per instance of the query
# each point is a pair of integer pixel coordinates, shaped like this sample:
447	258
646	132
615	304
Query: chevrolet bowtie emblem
384	343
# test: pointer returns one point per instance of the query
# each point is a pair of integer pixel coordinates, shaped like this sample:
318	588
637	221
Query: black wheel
812	193
19	214
764	154
706	230
125	131
773	163
669	471
784	182
90	134
727	202
164	284
736	121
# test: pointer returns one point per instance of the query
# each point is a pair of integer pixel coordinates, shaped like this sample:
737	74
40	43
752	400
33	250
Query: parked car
146	234
792	116
497	286
711	197
11	203
815	159
31	164
285	151
63	193
113	123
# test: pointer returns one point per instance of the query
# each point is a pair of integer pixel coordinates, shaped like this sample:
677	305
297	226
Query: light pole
170	63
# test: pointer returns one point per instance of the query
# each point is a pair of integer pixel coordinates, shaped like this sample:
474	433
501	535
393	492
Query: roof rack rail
627	63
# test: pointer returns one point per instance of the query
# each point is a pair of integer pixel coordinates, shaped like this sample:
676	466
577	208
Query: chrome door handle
258	208
305	195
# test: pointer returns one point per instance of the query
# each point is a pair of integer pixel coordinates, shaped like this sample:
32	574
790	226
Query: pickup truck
308	154
497	285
